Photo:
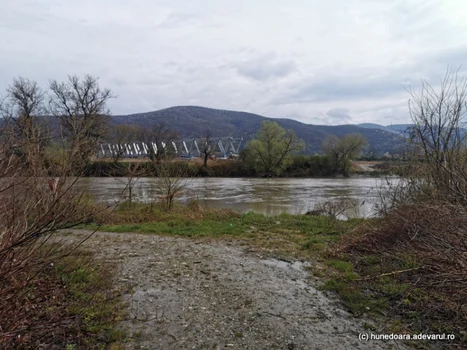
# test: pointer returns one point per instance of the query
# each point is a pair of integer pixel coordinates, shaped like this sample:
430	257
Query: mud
187	294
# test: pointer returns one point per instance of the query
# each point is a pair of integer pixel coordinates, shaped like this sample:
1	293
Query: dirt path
193	295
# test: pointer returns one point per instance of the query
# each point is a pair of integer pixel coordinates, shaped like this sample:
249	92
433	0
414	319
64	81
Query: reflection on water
267	196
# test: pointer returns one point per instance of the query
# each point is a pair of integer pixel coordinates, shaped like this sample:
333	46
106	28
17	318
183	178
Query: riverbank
201	293
285	235
371	292
302	166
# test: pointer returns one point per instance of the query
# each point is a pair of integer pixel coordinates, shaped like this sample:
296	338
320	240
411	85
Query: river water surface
266	196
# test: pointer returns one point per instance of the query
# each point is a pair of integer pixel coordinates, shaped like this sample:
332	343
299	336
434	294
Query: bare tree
32	208
80	106
120	135
36	200
206	146
26	99
162	137
171	181
24	108
133	172
439	135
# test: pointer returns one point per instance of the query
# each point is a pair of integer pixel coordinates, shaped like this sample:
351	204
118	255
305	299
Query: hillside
395	128
192	121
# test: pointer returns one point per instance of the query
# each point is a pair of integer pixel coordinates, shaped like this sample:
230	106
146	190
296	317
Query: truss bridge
223	147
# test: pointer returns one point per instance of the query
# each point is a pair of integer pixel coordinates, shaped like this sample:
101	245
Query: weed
294	235
339	265
69	305
352	296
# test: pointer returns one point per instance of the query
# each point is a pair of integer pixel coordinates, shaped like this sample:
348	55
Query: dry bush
421	238
33	206
336	209
439	136
30	215
133	173
140	213
171	182
60	305
432	234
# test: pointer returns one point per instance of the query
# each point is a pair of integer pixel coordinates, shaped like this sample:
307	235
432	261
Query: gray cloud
301	59
176	20
338	116
374	83
262	69
336	88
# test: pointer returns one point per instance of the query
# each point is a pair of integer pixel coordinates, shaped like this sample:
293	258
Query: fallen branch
389	274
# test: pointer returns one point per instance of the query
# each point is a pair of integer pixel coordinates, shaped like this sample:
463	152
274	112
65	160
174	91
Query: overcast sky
321	62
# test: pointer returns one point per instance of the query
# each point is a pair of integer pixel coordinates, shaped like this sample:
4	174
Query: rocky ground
188	294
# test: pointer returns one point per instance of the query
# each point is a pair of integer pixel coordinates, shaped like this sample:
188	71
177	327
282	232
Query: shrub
424	245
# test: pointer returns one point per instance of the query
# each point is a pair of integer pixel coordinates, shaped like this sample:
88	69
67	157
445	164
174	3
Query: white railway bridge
187	148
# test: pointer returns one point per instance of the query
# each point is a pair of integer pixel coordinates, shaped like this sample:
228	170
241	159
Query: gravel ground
188	294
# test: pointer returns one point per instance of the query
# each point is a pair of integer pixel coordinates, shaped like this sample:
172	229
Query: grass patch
365	282
69	304
343	280
353	297
341	266
412	260
91	299
283	235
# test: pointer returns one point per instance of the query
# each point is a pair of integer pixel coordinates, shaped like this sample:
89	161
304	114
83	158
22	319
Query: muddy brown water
266	196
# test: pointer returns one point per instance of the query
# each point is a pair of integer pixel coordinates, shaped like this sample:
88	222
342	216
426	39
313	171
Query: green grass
181	228
341	266
90	299
352	297
66	303
359	279
288	235
299	236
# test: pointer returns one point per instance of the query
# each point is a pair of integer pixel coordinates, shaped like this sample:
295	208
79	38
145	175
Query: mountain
192	121
377	126
401	128
395	128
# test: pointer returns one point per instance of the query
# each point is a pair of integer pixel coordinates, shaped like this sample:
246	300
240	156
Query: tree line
274	151
70	119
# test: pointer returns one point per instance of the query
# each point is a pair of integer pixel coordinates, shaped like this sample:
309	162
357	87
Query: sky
319	62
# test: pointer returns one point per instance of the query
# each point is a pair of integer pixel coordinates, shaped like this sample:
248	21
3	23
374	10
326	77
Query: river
266	196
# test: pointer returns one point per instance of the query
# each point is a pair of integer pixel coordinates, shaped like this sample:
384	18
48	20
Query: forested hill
191	121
